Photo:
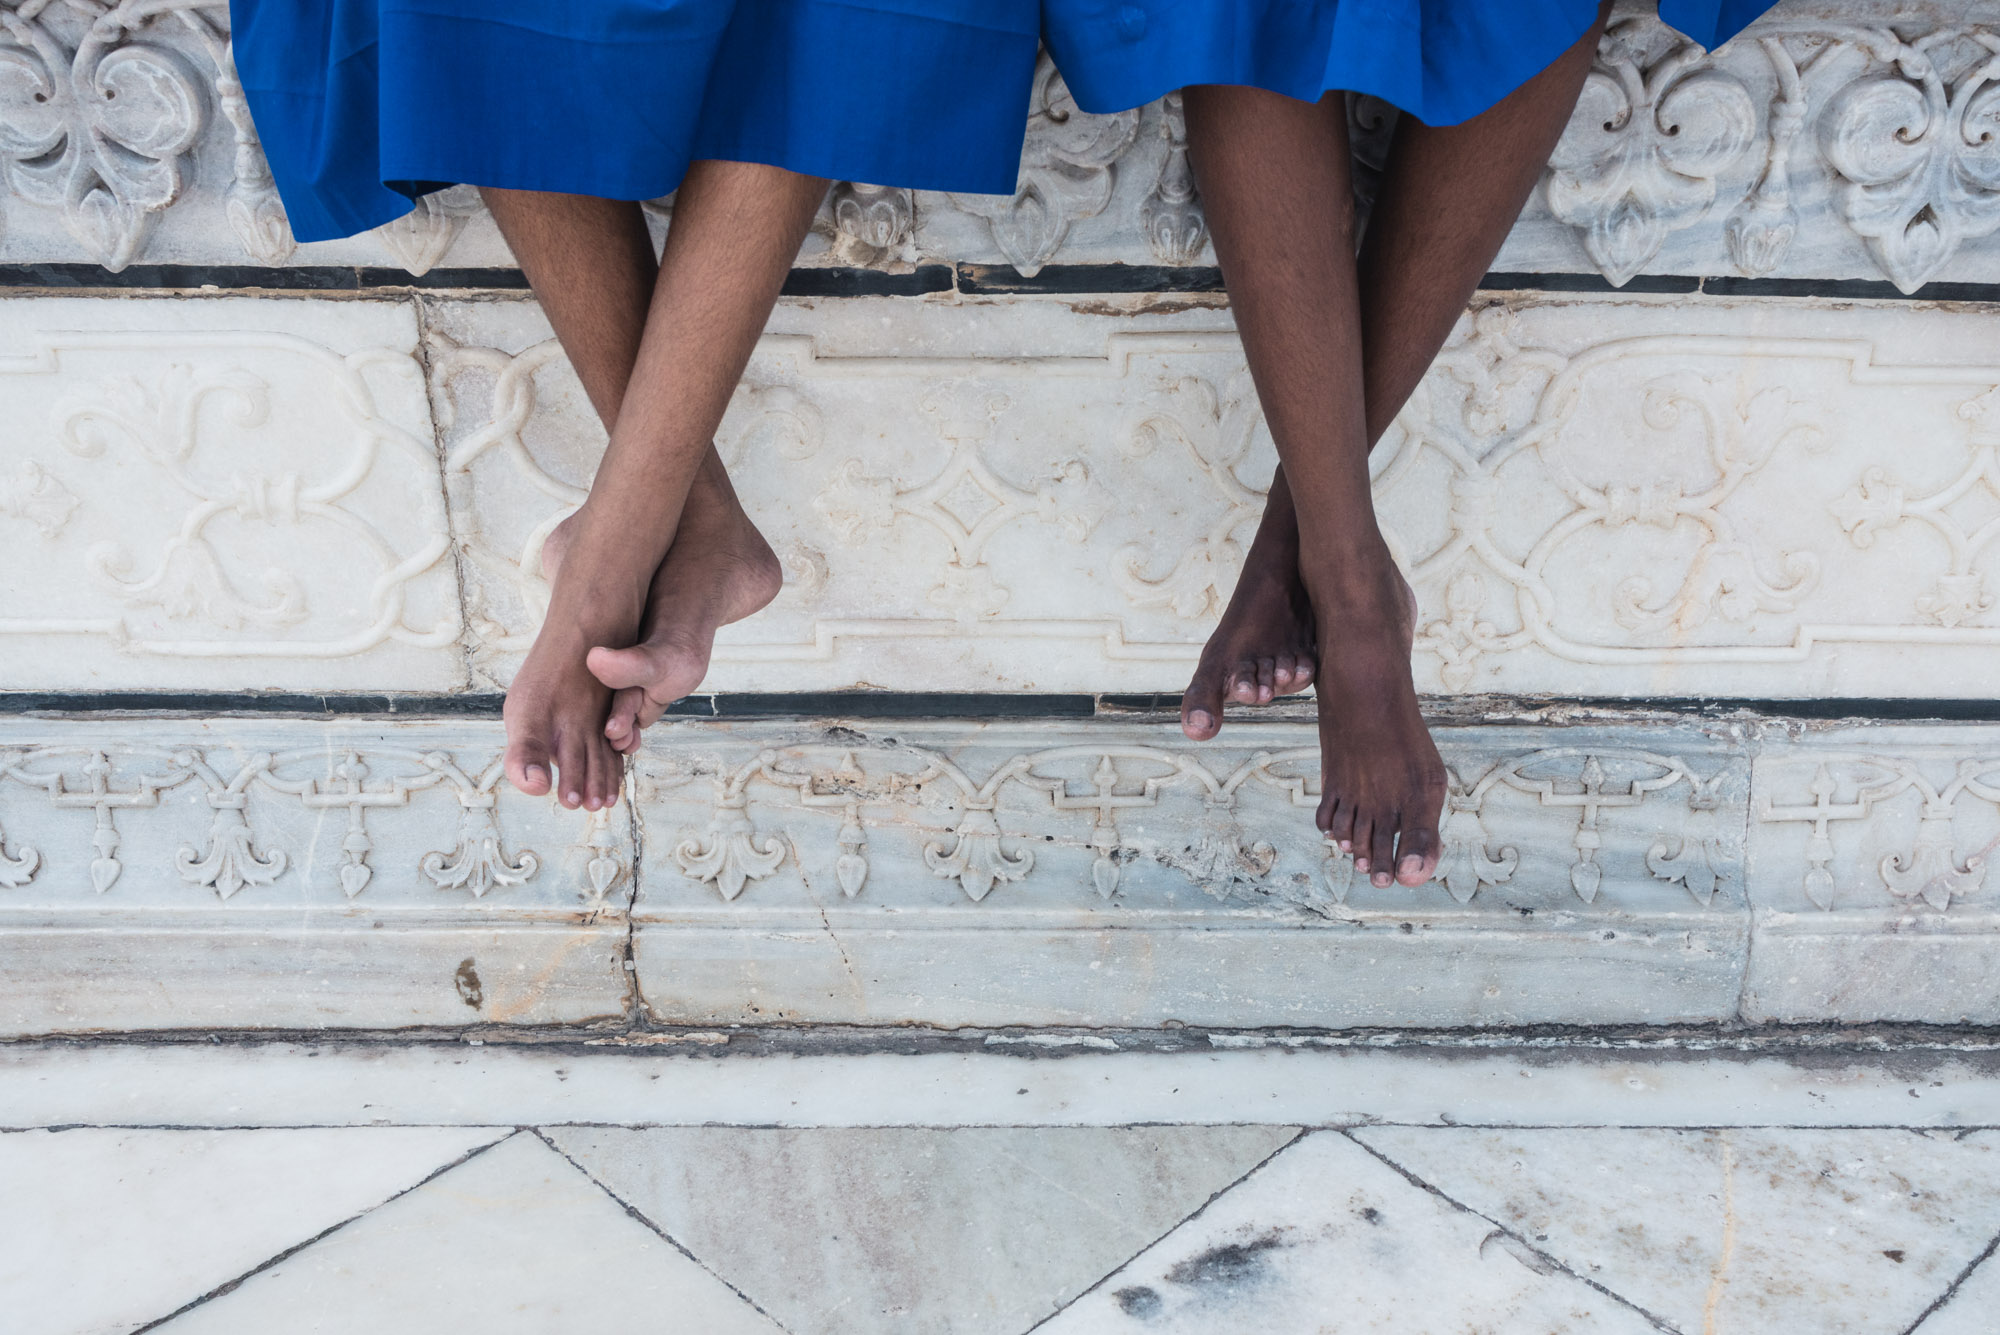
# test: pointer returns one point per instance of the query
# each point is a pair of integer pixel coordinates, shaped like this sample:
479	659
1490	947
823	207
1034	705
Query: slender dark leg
591	264
737	228
1336	346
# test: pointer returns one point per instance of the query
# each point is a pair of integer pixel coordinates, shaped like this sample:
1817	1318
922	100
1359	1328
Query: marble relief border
1833	140
1093	872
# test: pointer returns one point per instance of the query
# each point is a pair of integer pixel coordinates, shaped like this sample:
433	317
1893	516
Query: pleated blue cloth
1442	61
364	104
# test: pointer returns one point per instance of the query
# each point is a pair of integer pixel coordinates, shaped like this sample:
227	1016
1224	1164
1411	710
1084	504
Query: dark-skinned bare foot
1384	783
555	708
1264	645
719	569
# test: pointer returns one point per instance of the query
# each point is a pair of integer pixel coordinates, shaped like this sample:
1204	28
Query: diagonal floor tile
1973	1309
108	1229
979	1231
1326	1237
513	1242
1732	1232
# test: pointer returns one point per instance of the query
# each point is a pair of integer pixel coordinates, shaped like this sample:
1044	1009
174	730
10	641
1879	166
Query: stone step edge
1452	710
924	280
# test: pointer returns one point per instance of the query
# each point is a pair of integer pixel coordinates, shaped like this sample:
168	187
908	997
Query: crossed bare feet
719	569
1351	628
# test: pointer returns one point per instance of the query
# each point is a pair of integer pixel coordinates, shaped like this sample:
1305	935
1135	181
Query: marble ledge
286	874
1787	153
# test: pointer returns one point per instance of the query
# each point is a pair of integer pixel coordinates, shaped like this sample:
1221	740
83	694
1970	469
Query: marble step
1814	146
273	873
1593	495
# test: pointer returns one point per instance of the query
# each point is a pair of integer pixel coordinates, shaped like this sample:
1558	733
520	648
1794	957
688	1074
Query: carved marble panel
222	494
1835	139
1117	874
1869	850
272	874
1592	496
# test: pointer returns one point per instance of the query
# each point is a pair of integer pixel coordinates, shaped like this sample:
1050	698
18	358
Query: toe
610	774
1338	822
528	765
1361	842
1201	703
1243	682
621	720
572	771
1282	669
1267	680
1381	851
1417	858
664	670
597	761
1303	670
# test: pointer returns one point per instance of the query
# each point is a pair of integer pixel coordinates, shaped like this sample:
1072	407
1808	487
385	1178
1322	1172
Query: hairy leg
1446	204
592	266
737	228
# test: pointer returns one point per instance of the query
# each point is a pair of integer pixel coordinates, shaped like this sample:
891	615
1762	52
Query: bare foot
1383	781
555	708
718	570
1263	647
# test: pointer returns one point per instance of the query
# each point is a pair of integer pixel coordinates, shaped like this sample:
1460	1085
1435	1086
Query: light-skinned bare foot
555	708
719	569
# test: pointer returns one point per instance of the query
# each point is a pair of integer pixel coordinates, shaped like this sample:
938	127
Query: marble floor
401	1213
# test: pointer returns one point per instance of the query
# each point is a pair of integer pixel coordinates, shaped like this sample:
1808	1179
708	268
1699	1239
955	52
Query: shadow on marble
867	1232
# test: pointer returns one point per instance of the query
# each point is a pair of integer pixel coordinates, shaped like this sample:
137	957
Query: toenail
1347	845
1381	879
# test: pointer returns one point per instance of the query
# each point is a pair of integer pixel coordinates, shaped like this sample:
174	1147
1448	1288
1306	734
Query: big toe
1201	705
527	759
663	671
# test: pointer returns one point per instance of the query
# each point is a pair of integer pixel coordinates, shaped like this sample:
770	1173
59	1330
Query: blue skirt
364	104
1442	61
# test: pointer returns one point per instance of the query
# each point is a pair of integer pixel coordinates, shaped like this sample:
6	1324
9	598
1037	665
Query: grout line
1171	1229
634	1212
1952	1290
1958	1130
232	1285
1660	1322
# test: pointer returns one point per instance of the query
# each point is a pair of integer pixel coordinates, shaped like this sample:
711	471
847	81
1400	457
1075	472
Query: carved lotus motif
1929	871
732	857
101	132
1641	154
976	858
1921	162
480	861
1468	861
230	861
1066	174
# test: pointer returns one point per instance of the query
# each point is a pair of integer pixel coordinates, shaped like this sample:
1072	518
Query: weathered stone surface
817	1228
1730	1230
1836	139
273	874
221	492
1042	874
1327	1227
1870	848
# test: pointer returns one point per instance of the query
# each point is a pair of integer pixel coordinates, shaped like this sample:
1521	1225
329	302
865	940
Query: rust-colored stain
467	979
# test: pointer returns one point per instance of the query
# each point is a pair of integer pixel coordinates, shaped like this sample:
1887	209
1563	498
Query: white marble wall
1837	139
293	874
1683	495
1593	495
